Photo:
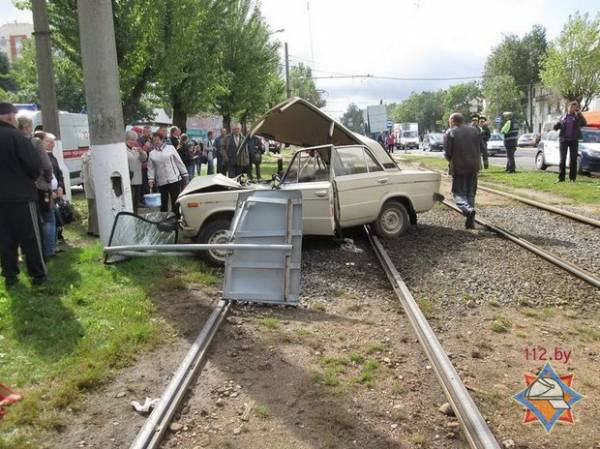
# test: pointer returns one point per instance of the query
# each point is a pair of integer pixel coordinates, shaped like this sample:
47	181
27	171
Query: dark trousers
464	188
510	160
572	146
221	166
170	192
257	168
232	170
136	192
145	186
20	226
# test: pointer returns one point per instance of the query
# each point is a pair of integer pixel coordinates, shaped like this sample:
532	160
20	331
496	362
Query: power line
396	78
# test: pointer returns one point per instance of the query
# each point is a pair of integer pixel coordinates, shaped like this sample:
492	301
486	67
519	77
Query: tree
70	93
302	85
353	118
459	98
7	82
191	71
425	108
249	62
501	94
572	64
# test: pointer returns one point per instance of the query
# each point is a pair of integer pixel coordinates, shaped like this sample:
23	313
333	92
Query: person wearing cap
510	130
20	166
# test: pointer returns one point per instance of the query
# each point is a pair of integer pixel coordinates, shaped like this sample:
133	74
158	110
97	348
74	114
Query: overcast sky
397	38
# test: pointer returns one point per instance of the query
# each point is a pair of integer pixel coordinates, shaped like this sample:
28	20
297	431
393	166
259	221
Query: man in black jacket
463	148
20	165
570	134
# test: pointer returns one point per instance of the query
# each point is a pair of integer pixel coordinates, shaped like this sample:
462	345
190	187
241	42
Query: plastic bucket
152	199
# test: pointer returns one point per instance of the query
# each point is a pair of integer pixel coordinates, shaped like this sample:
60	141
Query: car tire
580	170
216	231
540	163
393	220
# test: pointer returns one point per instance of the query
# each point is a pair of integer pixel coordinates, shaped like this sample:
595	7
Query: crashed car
346	180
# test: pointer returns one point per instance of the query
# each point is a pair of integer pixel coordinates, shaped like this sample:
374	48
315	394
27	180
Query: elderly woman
90	193
167	171
47	185
136	156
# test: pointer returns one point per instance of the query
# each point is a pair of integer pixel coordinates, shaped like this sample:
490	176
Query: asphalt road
524	157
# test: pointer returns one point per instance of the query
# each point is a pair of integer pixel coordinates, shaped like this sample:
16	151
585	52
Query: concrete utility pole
288	89
110	169
45	69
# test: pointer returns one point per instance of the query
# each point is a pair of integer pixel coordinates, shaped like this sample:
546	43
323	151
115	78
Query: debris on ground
146	407
349	246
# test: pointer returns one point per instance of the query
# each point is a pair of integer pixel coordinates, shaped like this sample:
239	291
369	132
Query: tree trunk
179	115
132	103
227	122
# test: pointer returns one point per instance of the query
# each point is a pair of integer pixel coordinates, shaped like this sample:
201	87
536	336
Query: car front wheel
215	232
540	163
393	220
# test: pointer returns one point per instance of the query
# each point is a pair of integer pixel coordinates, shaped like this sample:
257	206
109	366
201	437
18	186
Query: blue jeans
210	167
48	232
191	169
464	188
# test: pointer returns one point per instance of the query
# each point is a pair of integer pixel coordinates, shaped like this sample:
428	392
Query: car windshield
496	136
437	137
410	134
591	135
309	166
527	136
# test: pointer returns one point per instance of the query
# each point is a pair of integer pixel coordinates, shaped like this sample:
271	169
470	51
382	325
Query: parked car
433	142
588	158
528	140
495	145
346	180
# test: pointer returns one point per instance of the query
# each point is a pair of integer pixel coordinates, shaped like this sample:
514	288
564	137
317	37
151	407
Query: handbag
44	200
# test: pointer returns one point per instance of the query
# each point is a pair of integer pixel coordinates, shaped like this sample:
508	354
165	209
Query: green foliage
572	65
426	108
302	85
353	118
249	62
7	82
502	94
458	98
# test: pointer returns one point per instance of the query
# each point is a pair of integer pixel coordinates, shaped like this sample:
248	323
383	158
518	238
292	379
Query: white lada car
346	180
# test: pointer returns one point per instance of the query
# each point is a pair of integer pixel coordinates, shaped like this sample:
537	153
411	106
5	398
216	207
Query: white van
75	138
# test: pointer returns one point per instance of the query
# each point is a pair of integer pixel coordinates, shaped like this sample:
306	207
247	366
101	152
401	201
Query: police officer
20	166
485	131
510	130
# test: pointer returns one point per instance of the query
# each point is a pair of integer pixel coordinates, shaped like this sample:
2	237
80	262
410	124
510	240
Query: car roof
295	121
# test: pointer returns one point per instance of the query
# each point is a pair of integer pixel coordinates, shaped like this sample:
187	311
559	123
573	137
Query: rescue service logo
548	398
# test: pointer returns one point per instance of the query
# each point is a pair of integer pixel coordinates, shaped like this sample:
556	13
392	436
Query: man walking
463	148
569	128
20	165
510	130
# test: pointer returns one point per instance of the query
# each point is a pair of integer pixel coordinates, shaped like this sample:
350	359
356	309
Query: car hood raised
210	181
297	122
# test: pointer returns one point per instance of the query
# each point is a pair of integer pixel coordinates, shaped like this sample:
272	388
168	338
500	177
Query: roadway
524	157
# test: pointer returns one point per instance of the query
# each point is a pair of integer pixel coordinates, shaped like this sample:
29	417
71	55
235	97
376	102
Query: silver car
346	180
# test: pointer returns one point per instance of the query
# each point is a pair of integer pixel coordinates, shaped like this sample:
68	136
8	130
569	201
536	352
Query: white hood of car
202	182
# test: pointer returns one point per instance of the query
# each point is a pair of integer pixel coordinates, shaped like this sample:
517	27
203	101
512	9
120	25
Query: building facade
12	36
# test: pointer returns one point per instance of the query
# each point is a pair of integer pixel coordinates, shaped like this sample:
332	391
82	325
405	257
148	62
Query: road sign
389	124
499	119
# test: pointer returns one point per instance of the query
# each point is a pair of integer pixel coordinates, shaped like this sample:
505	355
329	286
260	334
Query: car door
360	182
551	150
309	172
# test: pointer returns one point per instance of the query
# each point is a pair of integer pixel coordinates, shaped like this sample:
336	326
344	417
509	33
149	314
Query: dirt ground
344	369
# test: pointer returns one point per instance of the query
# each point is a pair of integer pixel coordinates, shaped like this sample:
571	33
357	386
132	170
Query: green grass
262	410
501	325
585	191
270	322
71	335
367	373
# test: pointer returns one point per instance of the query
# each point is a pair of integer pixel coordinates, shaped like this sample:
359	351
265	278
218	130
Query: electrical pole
530	104
45	70
110	169
288	89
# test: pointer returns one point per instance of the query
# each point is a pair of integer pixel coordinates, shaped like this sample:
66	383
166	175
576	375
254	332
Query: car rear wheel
580	170
540	163
393	220
215	232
